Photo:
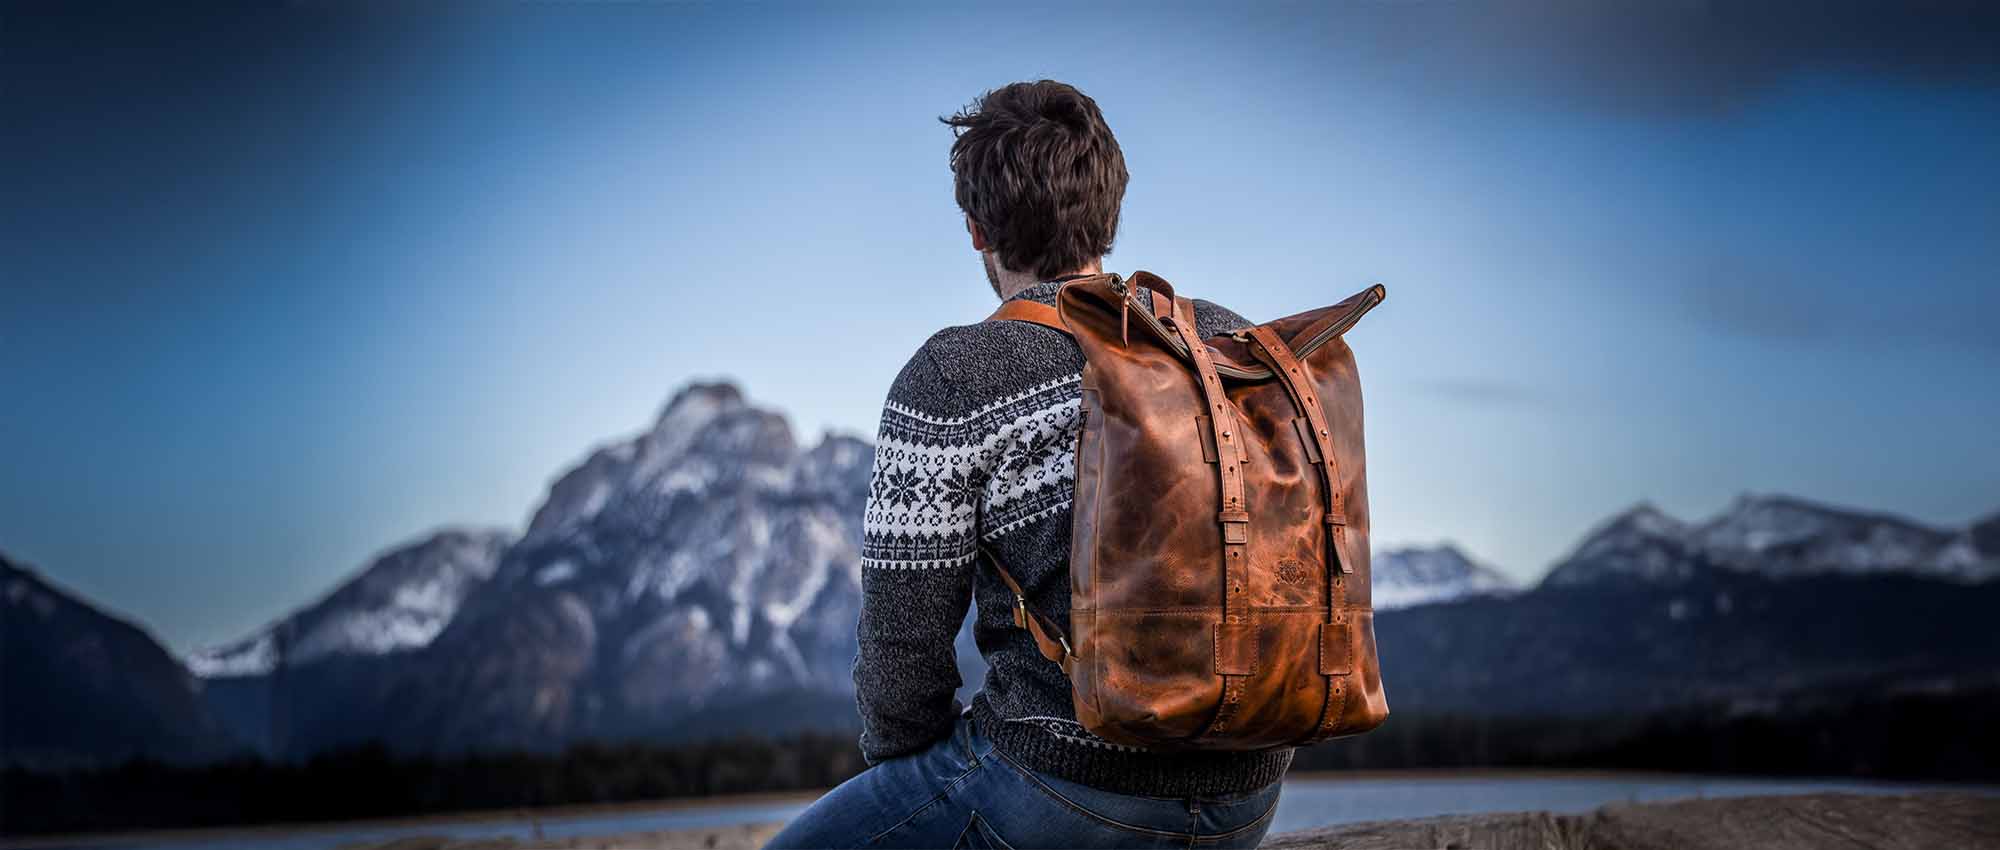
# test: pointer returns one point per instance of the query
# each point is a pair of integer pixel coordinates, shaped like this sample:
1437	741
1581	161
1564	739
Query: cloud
1675	57
1768	301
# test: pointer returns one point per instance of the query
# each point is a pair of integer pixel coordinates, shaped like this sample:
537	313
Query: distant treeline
371	782
1918	736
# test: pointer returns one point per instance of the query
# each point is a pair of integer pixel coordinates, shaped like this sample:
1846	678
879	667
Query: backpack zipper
1374	294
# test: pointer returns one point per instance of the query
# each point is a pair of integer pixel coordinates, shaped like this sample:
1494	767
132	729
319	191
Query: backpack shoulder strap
1048	636
1023	310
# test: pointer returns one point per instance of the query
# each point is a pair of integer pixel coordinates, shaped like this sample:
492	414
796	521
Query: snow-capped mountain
1418	576
1642	544
708	527
400	601
1781	537
1778	537
702	578
706	561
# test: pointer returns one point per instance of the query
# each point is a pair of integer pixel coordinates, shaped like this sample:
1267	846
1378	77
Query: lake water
1306	802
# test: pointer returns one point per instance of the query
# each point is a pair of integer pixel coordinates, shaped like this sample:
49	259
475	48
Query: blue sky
286	288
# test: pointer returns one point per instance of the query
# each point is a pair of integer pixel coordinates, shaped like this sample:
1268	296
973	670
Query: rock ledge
1888	822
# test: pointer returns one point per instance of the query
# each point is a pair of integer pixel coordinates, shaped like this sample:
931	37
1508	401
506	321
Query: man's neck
1014	283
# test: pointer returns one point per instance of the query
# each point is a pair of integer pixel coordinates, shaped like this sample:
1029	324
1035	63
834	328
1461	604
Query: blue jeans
961	792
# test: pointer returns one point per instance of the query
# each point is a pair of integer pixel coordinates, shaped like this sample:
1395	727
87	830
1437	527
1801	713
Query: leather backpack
1219	556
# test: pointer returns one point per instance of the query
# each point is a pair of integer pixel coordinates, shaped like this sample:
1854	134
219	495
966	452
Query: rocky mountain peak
400	600
700	399
838	465
706	435
1402	578
687	417
1643	543
1783	536
711	556
1775	536
1647	519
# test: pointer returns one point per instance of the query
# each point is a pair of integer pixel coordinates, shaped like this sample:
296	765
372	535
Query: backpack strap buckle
1049	638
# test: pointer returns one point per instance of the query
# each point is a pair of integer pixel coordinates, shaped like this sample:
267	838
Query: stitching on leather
1215	646
1232	700
1335	705
1095	661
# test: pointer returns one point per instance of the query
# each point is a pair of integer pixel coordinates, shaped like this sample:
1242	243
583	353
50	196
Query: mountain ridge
1404	577
80	685
399	600
1777	536
671	582
709	559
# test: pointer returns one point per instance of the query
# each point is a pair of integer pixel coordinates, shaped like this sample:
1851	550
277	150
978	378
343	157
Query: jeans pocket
1122	814
979	835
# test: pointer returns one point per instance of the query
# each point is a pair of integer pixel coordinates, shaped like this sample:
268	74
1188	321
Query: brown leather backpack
1219	562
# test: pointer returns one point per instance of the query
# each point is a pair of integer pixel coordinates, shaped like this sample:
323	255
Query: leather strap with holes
1235	641
1296	378
1298	381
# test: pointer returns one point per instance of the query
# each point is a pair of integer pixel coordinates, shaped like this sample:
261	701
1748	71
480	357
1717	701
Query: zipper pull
1124	291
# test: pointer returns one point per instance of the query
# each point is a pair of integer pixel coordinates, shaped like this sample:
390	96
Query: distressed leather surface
1160	656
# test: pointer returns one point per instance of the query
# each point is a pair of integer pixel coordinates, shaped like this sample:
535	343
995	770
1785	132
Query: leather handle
1161	294
1156	283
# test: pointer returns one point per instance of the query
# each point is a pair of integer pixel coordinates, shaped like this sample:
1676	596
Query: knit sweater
978	446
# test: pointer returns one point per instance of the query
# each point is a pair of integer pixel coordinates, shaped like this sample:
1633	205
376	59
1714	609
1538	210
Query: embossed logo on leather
1291	572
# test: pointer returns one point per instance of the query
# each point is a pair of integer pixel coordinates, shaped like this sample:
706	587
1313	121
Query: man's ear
978	236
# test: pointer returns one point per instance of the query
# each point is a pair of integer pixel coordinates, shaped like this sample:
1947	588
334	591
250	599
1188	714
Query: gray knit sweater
977	445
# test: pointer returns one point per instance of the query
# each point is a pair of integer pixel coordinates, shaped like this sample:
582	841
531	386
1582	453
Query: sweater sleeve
919	552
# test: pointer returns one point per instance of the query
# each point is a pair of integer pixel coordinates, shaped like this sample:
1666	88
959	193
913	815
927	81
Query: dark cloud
1766	300
1666	56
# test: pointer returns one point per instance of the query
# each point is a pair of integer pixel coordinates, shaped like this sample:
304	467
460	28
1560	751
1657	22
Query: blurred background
437	407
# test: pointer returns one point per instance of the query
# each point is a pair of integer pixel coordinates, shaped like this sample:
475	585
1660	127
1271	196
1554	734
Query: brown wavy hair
1038	170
